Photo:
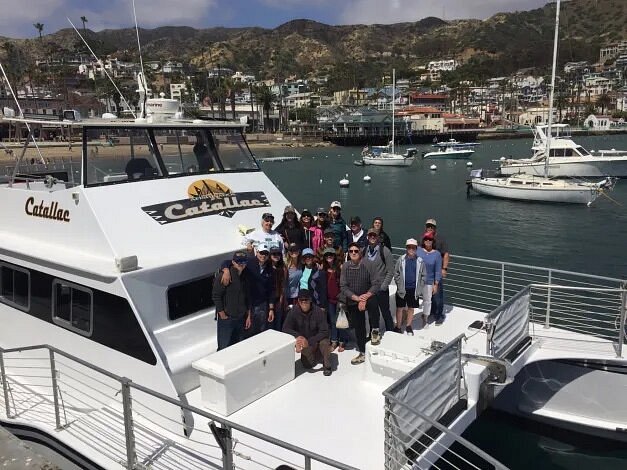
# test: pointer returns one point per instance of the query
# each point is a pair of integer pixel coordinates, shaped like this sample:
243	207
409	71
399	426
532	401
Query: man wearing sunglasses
308	324
232	303
359	284
263	235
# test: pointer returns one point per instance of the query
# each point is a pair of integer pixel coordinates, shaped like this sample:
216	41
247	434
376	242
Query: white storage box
240	374
396	354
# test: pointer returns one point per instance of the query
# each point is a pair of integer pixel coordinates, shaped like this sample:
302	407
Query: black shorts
410	299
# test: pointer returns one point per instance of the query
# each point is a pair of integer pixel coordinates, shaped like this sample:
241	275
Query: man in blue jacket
338	225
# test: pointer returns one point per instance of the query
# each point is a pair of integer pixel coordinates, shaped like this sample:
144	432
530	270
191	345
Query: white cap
262	247
336	204
412	242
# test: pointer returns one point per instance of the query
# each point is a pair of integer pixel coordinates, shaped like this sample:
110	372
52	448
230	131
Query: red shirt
333	286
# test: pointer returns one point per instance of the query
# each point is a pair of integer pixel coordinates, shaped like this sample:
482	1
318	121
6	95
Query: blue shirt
304	279
410	273
433	265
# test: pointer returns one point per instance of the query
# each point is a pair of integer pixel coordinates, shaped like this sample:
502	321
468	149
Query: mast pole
393	109
552	92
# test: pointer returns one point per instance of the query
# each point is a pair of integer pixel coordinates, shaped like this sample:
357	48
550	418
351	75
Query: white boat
386	155
541	188
538	188
567	158
451	149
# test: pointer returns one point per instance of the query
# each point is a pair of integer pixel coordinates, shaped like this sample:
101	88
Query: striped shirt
357	279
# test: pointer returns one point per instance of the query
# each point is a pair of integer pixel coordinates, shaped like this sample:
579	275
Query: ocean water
571	237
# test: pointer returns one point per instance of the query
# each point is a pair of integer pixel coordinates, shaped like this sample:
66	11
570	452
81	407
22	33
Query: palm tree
265	98
84	20
604	101
39	27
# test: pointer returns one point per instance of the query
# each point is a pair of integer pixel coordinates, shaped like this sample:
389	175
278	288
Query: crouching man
308	324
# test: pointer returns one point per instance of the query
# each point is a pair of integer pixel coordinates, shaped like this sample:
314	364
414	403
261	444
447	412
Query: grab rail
222	434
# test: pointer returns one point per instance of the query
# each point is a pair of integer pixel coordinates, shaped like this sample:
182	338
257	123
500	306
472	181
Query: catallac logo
46	210
206	197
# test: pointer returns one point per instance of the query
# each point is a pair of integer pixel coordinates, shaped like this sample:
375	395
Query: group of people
297	276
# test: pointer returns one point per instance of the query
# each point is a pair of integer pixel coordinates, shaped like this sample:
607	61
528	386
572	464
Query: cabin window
190	297
233	150
187	151
72	307
15	287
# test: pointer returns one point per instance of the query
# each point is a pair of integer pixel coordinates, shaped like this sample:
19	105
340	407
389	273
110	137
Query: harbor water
571	237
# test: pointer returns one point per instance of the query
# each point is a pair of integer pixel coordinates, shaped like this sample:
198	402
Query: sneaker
327	372
340	347
375	337
409	330
358	359
439	321
397	330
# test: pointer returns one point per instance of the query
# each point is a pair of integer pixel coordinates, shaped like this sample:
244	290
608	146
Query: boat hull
453	155
567	394
383	161
572	167
583	195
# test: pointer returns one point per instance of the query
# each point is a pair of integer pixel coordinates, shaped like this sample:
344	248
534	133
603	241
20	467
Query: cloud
395	11
17	21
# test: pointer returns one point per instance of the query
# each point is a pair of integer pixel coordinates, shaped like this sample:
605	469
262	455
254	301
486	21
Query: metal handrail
227	425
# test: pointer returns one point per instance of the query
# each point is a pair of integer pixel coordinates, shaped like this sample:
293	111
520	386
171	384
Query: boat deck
340	417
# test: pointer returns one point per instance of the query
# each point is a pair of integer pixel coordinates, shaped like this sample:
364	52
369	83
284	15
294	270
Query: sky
18	16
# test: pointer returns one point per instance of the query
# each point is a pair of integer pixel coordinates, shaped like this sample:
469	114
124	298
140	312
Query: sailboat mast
552	92
393	99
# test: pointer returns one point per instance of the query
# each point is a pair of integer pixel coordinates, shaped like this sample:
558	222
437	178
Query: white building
596	85
598	123
243	77
613	50
177	90
447	65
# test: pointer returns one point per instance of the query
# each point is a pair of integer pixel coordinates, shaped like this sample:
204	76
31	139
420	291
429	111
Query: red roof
409	110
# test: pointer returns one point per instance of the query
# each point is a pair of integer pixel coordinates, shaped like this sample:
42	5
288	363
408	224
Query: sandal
341	348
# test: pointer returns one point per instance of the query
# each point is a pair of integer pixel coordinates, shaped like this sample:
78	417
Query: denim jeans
340	335
259	319
437	303
230	331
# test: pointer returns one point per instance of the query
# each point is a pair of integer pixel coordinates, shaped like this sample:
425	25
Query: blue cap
307	251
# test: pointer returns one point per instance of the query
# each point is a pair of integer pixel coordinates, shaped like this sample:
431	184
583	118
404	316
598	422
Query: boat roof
99	122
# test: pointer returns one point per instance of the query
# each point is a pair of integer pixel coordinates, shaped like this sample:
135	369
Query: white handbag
342	320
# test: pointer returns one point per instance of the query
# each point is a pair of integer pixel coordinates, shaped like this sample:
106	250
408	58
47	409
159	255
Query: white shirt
257	237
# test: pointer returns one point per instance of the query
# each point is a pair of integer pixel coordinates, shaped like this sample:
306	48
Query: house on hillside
423	118
602	122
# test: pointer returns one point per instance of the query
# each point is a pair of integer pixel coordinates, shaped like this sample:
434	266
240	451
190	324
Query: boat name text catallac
46	210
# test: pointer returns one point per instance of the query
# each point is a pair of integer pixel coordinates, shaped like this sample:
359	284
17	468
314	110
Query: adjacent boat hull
455	154
572	167
388	161
567	394
497	188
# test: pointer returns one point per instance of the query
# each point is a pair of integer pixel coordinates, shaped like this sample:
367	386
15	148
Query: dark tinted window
72	307
190	297
15	287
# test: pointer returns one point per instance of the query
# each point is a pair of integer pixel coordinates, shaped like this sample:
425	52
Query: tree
265	98
39	27
84	20
604	101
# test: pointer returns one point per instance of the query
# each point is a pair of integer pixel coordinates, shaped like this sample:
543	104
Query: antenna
550	120
105	70
30	131
141	64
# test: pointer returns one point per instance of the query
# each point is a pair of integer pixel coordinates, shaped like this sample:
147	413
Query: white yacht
566	157
107	351
451	149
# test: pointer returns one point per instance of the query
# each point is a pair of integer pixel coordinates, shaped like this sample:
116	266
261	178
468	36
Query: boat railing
587	304
132	424
420	406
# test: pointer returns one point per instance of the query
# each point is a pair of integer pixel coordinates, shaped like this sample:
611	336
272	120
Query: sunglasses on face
352	252
305	301
322	214
329	256
263	253
275	254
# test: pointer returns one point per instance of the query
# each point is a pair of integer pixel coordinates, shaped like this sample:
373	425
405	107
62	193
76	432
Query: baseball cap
304	294
355	220
240	257
329	231
267	215
328	251
305	212
262	247
411	242
337	204
275	249
321	210
293	247
289	209
373	230
431	222
428	236
308	252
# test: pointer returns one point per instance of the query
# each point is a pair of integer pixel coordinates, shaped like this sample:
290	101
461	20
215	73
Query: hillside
357	54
